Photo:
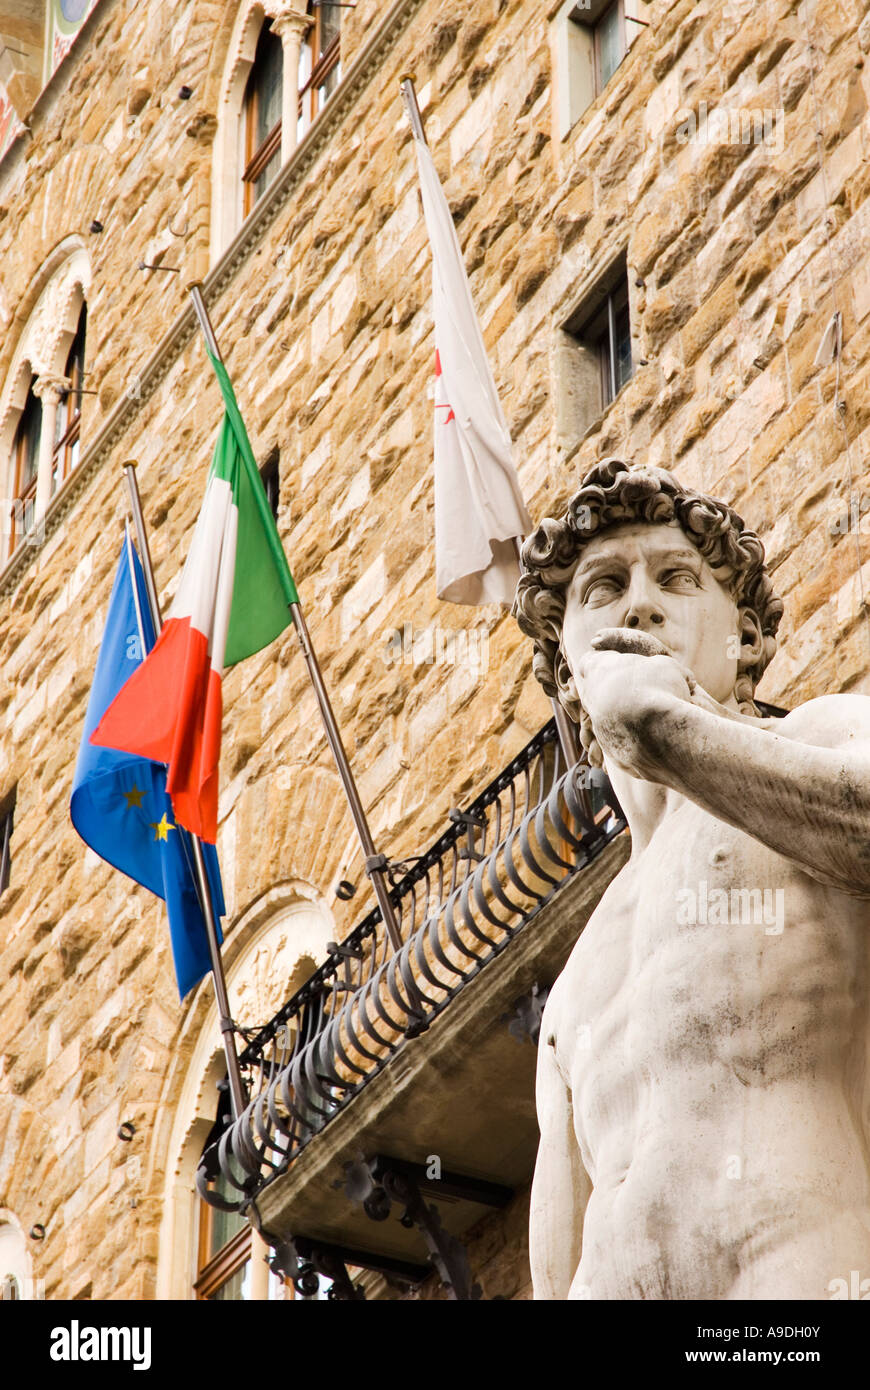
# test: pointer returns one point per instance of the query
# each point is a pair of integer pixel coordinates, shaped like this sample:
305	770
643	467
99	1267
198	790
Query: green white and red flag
232	600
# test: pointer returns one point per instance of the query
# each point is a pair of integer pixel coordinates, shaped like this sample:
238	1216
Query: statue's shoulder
830	721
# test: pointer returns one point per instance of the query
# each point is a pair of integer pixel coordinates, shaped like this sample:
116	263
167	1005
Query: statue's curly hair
614	493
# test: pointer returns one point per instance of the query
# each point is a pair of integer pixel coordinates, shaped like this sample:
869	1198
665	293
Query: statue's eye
605	587
680	579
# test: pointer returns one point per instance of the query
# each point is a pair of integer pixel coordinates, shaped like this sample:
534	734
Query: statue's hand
626	682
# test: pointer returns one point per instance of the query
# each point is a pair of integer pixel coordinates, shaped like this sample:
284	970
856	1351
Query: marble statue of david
704	1067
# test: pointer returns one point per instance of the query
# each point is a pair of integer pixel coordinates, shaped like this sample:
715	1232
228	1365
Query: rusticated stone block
325	323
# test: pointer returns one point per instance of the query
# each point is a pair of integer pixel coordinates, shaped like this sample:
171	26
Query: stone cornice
363	68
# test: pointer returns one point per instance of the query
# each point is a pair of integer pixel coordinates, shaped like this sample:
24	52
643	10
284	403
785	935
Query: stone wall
738	255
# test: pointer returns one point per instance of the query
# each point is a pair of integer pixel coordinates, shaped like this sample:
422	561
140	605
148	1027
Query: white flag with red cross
479	509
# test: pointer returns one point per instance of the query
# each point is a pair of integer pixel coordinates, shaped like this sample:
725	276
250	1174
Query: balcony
413	1070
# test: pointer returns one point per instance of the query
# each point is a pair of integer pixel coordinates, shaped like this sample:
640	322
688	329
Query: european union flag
119	803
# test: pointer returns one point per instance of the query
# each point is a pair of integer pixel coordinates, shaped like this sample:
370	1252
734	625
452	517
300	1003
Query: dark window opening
262	117
613	343
602	328
25	463
270	473
6	822
65	456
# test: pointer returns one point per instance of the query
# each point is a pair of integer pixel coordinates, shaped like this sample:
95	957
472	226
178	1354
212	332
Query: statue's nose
642	607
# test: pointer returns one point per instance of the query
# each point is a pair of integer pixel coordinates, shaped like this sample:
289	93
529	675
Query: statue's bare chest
710	944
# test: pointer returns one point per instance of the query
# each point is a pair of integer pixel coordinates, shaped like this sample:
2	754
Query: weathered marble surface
702	1081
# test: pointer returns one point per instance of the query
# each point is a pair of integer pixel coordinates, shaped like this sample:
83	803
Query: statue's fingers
667	663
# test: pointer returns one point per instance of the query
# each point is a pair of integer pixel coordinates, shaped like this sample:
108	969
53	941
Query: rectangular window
225	1254
611	335
593	355
589	39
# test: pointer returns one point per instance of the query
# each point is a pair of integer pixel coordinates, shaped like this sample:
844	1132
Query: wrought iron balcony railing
459	905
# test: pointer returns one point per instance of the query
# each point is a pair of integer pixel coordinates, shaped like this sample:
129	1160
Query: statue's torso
718	1072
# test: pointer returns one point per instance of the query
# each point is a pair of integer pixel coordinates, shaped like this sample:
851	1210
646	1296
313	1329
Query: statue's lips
627	639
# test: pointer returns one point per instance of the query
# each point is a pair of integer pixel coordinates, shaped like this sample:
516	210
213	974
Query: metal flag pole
566	729
375	864
227	1027
409	96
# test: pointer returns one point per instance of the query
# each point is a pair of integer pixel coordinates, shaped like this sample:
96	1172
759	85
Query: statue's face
650	577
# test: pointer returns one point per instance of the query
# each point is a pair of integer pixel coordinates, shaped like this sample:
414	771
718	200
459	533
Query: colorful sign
67	17
10	125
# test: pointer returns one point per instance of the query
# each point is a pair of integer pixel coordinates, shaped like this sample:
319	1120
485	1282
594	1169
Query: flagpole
227	1027
375	863
565	727
409	95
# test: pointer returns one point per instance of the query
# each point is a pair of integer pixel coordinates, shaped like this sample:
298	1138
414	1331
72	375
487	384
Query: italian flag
232	600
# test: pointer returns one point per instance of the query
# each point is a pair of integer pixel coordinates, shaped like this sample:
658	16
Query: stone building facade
664	216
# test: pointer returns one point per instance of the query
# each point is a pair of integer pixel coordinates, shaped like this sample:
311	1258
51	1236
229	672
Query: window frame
22	495
213	1271
597	27
257	157
603	338
585	356
62	466
7	825
594	327
215	1268
321	67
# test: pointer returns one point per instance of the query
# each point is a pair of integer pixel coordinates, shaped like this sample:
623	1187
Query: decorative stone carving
291	25
291	22
49	385
702	1080
285	934
267	980
44	343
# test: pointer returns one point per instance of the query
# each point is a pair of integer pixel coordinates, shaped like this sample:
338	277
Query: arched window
205	1253
319	63
25	467
16	1281
39	412
226	1269
281	66
66	433
262	117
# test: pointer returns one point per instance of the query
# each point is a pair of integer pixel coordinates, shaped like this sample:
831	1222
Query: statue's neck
645	804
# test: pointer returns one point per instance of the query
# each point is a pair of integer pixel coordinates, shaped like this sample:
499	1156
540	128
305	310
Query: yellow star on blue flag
162	827
119	804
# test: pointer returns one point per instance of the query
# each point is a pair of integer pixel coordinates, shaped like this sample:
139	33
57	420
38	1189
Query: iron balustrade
458	906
